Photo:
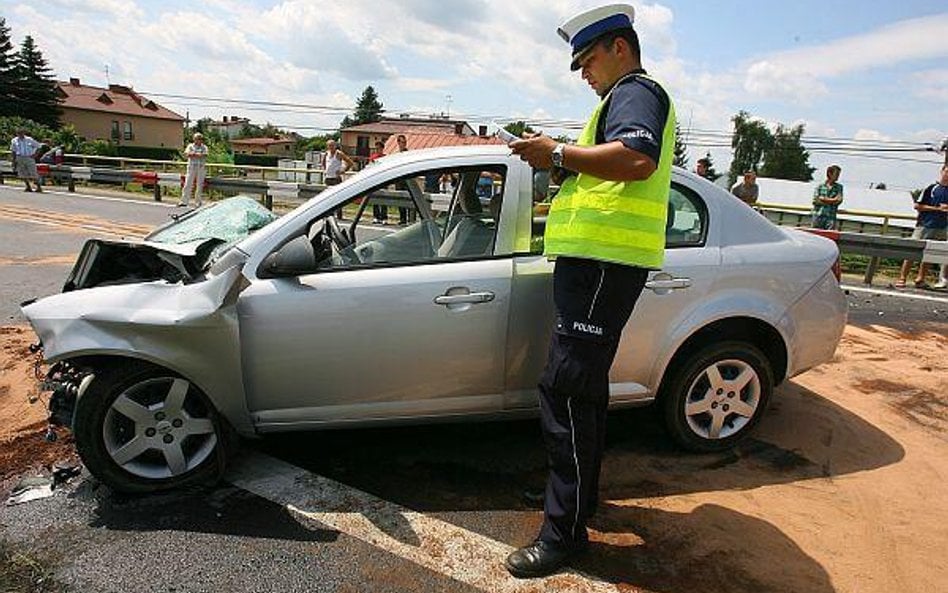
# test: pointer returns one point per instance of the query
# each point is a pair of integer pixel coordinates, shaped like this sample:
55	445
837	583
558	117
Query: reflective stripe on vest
616	221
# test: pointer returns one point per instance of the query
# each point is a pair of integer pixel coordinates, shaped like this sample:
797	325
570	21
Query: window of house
127	131
115	129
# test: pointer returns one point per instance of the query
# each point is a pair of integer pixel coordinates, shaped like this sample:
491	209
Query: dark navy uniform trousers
593	303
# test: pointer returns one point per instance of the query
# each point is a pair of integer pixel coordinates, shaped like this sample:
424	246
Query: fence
877	240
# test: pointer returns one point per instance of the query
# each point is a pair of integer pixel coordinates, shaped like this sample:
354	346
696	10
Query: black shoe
539	559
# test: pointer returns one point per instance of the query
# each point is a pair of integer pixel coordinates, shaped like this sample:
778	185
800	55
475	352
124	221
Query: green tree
750	140
517	128
8	78
711	175
681	149
218	144
785	157
314	143
368	109
266	131
9	126
37	91
68	137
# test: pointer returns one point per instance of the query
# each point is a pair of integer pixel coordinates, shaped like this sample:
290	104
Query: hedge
257	160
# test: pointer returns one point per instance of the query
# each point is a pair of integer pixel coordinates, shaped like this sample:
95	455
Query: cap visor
580	54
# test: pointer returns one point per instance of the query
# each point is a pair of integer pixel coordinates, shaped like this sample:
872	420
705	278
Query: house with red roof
282	147
120	115
430	132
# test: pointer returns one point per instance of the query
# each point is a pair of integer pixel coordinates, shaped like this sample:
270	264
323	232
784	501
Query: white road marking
151	202
896	293
436	545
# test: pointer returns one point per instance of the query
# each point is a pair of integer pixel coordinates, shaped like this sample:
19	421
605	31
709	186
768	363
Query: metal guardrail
90	160
778	214
874	245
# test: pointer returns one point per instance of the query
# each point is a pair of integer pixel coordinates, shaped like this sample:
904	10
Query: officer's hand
536	151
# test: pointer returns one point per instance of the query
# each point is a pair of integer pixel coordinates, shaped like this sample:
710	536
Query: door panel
358	344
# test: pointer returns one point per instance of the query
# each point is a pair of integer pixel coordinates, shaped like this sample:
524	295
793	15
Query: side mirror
295	258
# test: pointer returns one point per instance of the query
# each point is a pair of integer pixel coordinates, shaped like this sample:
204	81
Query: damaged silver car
335	315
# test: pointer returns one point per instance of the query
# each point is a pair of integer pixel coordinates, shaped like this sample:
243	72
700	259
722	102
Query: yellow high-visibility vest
614	221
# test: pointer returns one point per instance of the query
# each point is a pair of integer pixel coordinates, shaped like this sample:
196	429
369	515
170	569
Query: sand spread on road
842	487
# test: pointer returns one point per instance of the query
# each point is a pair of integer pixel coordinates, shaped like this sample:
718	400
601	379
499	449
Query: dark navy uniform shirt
934	195
635	115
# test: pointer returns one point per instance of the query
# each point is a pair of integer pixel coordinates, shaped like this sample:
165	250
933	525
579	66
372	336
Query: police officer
606	229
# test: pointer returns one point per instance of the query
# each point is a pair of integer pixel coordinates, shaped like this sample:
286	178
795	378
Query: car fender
721	304
191	329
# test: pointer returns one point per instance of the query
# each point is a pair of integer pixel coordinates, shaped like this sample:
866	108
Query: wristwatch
557	156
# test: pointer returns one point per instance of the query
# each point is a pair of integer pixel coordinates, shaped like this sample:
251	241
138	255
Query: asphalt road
41	234
378	509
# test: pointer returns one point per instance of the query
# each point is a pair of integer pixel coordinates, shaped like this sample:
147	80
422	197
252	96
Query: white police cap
587	27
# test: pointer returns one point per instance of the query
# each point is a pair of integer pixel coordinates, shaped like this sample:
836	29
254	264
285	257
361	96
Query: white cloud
931	84
800	73
864	134
117	8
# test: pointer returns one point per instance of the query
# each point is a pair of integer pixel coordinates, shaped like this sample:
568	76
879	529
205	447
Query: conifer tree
37	92
8	77
681	149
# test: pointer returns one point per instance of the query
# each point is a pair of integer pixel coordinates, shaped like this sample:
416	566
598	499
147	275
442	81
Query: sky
872	73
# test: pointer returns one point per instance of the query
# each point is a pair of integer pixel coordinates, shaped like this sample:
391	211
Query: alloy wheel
722	399
159	428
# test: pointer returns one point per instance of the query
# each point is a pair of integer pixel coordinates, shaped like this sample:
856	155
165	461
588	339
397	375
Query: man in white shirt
196	153
24	151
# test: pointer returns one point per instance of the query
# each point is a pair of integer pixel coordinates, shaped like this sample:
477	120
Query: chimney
459	129
482	131
74	81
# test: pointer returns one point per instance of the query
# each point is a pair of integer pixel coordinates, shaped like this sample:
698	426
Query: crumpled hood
180	251
98	317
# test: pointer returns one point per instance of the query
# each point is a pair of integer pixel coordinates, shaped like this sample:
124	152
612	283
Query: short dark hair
832	168
630	37
704	161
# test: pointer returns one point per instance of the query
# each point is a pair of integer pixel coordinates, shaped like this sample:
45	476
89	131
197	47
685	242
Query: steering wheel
338	235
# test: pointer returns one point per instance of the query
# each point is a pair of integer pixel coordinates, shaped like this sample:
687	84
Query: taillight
837	269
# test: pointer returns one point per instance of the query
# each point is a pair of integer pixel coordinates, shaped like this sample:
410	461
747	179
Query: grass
21	572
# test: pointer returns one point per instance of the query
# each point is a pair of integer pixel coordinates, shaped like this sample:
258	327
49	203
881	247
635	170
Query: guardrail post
874	262
157	191
268	200
72	183
871	270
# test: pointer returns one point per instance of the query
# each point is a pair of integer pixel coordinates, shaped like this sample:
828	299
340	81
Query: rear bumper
816	323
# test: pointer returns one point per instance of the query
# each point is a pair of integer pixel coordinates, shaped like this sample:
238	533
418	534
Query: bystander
826	199
931	225
24	149
747	190
196	153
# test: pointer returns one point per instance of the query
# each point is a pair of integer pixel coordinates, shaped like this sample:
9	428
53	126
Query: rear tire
714	397
142	428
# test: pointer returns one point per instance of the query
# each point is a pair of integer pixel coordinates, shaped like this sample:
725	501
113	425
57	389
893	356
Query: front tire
716	395
141	428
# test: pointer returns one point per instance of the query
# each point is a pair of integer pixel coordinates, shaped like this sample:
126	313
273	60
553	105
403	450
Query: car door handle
666	282
458	299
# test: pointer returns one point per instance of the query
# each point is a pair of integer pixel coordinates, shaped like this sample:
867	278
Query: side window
687	218
687	214
446	214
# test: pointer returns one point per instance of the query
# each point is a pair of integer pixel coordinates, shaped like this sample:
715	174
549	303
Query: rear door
687	274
